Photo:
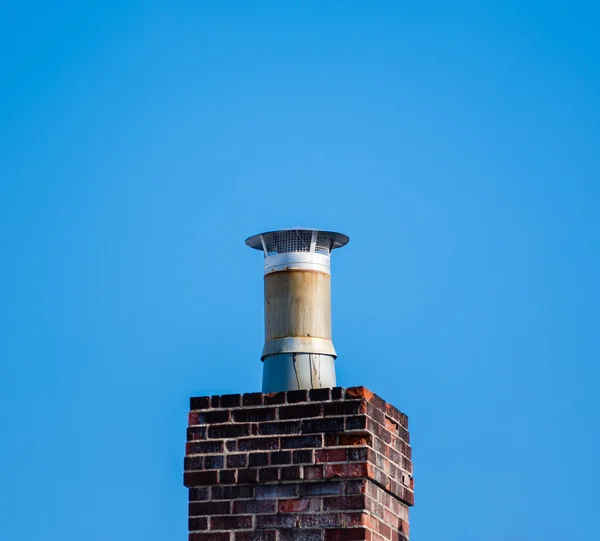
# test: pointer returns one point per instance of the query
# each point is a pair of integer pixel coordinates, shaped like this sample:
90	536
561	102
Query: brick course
319	465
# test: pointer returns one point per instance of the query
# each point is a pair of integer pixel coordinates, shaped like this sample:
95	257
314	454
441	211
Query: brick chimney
302	465
304	460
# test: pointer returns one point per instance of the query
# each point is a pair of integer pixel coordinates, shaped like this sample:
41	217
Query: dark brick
200	402
214	462
346	407
193	463
237	522
323	488
256	535
281	427
209	508
258	459
231	445
358	454
333	424
358	422
356	486
231	400
312	473
304	456
215	401
252	399
321	520
237	461
346	534
209	536
228	477
290	473
300	412
297	396
375	413
200	523
275	521
228	431
272	492
341	503
337	393
353	469
193	418
204	447
257	507
247	475
268	474
275	398
254	415
281	457
296	534
319	395
199	478
258	444
297	442
196	433
231	492
199	493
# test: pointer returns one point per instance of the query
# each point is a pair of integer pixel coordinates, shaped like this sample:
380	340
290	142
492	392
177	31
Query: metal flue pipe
298	351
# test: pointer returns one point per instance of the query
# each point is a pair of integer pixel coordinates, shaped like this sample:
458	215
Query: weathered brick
341	503
228	431
270	492
295	534
313	472
353	469
209	536
331	455
214	462
237	460
199	402
199	493
346	407
254	415
358	454
332	424
258	444
275	398
196	433
300	412
204	447
280	427
256	535
346	534
257	507
231	492
209	508
231	445
300	505
193	418
297	396
193	463
359	392
357	422
290	473
321	520
236	522
252	399
323	488
297	442
276	521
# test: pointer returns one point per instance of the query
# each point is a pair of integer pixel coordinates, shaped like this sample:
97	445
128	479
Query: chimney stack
303	460
298	351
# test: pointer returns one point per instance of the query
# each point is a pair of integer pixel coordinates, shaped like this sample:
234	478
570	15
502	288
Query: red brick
236	522
331	455
297	505
384	529
196	433
193	418
295	534
346	470
359	392
300	412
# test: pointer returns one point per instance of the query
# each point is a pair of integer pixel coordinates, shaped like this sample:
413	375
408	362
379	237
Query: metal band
299	344
298	261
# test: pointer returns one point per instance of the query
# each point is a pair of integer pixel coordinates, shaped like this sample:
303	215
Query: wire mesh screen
280	242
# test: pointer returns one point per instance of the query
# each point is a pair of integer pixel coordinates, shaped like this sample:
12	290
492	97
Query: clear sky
456	143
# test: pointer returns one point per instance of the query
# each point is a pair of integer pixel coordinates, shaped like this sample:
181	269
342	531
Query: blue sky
456	143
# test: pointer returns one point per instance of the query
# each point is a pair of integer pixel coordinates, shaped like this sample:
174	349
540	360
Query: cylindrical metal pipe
298	351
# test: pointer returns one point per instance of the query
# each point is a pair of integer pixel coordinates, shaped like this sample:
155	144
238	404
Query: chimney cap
336	240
